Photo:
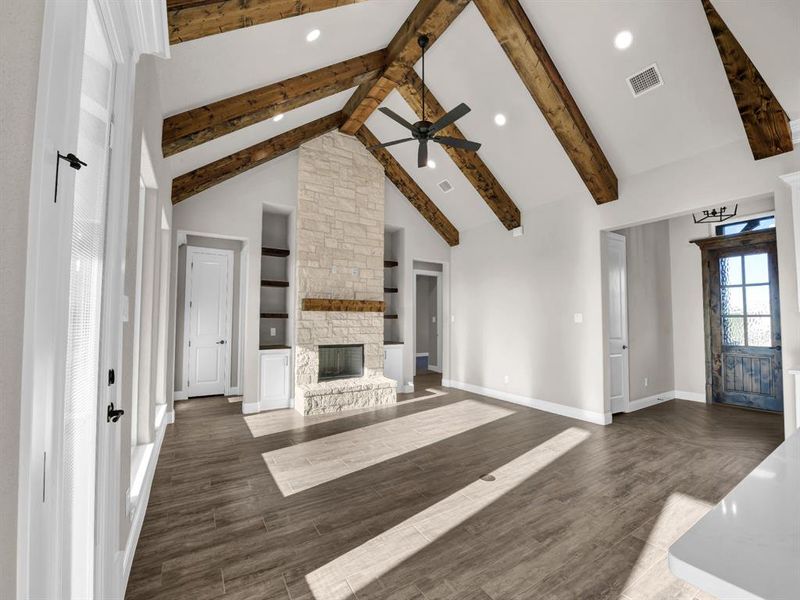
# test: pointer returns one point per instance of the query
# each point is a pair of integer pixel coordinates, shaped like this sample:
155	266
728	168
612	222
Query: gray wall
649	309
426	312
20	39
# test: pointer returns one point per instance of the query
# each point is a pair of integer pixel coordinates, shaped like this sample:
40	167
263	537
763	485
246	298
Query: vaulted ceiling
522	164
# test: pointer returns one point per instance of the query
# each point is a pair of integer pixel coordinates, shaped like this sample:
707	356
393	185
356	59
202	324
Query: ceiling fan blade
457	143
395	117
451	117
422	155
389	143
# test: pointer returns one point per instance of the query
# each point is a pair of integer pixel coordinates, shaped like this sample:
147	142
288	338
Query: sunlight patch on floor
287	419
650	578
365	564
308	464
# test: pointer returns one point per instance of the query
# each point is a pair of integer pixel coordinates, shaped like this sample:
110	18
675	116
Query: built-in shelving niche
276	288
392	283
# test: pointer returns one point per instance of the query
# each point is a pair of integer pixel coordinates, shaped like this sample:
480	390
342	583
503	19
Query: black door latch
113	414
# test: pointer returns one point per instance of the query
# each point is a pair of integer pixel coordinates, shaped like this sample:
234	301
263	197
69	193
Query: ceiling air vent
445	186
645	80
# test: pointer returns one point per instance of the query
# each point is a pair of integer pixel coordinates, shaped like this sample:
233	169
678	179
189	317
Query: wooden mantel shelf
343	305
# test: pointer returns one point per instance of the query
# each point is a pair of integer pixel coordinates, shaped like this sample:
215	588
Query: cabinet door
274	381
393	363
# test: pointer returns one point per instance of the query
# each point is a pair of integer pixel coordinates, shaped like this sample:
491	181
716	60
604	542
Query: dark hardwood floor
447	495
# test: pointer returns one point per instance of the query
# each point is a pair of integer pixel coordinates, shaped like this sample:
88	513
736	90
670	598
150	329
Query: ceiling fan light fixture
431	163
312	35
623	40
499	119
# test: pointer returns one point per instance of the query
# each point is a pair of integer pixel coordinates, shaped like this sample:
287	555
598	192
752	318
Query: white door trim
439	316
190	252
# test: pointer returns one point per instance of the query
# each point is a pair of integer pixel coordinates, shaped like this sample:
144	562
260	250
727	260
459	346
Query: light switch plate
578	317
272	331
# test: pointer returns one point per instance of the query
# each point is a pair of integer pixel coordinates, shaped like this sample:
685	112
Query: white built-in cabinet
393	362
274	378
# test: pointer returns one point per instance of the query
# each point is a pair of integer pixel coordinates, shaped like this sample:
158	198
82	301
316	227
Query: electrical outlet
452	318
578	317
505	379
333	269
272	331
645	382
433	319
355	271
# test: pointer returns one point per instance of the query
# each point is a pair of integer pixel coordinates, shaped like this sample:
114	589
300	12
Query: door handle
221	342
113	414
624	347
777	347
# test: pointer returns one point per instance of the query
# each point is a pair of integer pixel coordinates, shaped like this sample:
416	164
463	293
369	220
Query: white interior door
617	322
210	296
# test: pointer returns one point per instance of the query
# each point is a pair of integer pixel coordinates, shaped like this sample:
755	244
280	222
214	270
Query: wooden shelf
390	263
392	343
273	315
274	252
389	316
274	283
389	290
273	347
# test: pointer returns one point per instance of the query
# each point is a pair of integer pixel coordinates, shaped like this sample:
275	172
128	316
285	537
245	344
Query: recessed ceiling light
312	35
623	39
431	163
500	119
277	117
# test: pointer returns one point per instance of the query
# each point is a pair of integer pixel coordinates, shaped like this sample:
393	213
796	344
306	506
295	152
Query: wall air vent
445	186
645	80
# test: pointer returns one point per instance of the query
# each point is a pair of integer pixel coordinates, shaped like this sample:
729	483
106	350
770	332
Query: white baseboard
141	503
447	383
551	407
405	389
180	395
641	403
248	408
434	368
693	396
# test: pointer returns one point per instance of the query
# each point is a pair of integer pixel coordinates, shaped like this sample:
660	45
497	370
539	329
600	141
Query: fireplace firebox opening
340	361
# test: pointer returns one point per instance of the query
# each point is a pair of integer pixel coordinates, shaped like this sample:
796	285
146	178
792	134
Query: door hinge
44	476
111	377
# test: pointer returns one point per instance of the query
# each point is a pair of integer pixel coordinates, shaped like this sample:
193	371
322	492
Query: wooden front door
742	314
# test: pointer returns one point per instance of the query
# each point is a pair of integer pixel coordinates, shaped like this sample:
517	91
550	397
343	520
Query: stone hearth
339	257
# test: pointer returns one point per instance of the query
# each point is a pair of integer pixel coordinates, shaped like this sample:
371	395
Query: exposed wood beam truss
431	17
192	19
765	122
474	169
409	188
525	50
199	125
220	170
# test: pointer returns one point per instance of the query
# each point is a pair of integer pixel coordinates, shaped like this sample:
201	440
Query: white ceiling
693	112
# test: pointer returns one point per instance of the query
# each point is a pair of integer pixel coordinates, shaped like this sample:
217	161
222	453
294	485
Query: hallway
393	503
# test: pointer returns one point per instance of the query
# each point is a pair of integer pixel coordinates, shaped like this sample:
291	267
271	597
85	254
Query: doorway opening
428	323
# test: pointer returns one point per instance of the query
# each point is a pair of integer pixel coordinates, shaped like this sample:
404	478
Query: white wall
421	243
514	298
20	38
650	326
234	209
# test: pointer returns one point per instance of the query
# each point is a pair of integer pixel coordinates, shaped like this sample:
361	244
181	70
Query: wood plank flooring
447	495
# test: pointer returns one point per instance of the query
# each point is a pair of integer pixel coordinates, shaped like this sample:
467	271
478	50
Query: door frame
191	250
762	238
438	368
610	235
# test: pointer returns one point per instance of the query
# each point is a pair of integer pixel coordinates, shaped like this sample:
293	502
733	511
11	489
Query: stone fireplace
339	278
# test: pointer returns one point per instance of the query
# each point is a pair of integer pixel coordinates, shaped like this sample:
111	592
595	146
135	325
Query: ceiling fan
423	131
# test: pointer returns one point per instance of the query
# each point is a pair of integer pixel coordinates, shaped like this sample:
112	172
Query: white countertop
748	546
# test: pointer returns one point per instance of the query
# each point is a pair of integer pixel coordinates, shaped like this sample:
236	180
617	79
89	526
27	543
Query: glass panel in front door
745	300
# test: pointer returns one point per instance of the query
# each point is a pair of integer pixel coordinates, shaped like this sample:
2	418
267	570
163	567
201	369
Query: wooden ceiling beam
193	19
409	188
198	125
223	169
431	17
765	122
471	165
525	50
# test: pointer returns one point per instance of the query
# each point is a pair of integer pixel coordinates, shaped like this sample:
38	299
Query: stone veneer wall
340	231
